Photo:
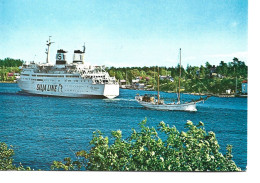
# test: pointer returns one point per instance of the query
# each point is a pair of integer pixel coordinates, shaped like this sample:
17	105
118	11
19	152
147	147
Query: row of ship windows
80	88
74	86
53	80
61	76
72	91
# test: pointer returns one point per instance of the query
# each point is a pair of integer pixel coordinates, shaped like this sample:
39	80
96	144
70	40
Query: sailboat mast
179	80
126	76
158	94
236	86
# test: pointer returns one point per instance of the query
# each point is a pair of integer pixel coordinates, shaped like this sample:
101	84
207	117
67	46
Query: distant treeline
204	78
231	69
10	62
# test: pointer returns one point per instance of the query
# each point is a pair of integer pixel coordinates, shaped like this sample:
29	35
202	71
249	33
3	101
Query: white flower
169	167
162	159
189	122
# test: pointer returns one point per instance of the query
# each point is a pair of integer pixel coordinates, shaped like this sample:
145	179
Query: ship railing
101	80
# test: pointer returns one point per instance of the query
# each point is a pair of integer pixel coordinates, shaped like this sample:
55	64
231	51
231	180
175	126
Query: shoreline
197	94
221	95
8	82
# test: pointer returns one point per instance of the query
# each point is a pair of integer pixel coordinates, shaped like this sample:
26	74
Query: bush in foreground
6	161
194	150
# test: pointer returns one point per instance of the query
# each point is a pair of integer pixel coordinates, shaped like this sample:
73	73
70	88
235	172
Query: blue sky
126	32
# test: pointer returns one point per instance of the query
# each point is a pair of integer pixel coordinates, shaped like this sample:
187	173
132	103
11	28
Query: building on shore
244	87
167	78
122	83
139	86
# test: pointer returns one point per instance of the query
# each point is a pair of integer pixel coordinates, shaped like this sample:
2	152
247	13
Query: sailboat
149	101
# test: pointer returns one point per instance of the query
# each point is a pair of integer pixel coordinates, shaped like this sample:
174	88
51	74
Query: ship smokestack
78	56
61	57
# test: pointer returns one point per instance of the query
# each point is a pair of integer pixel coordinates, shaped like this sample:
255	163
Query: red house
10	74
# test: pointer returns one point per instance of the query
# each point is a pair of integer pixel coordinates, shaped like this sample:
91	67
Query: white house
122	83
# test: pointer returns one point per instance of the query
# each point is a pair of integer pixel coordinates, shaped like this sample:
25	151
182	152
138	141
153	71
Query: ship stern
111	90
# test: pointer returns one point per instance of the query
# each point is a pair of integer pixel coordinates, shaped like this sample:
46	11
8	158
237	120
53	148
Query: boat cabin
148	98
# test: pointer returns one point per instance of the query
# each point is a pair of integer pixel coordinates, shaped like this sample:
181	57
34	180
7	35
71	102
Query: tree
208	65
202	71
194	150
6	161
119	75
9	62
152	82
135	73
222	68
162	71
112	73
142	73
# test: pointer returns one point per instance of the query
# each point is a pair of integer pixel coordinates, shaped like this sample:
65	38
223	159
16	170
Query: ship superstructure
76	79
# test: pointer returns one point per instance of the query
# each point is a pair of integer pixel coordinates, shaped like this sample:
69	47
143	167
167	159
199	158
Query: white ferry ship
76	79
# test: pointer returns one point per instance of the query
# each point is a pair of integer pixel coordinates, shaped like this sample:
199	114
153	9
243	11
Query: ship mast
47	51
158	94
84	48
179	80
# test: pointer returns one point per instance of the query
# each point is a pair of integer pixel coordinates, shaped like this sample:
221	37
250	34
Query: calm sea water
44	129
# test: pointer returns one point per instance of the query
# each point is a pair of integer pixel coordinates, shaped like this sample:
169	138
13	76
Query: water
44	129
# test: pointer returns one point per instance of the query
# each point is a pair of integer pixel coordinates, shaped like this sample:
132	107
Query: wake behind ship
68	80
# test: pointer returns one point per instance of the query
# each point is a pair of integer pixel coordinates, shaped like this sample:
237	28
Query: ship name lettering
53	88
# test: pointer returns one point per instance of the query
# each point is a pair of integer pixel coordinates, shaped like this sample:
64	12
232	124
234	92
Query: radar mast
84	48
47	51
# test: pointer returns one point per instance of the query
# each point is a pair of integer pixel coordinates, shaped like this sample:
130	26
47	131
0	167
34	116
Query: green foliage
193	150
119	75
6	161
194	79
112	73
9	62
152	82
9	65
135	73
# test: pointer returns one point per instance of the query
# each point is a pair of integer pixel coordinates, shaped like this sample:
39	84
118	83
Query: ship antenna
84	48
47	51
158	91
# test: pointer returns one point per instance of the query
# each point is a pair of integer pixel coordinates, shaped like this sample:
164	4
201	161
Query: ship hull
70	90
64	95
170	107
